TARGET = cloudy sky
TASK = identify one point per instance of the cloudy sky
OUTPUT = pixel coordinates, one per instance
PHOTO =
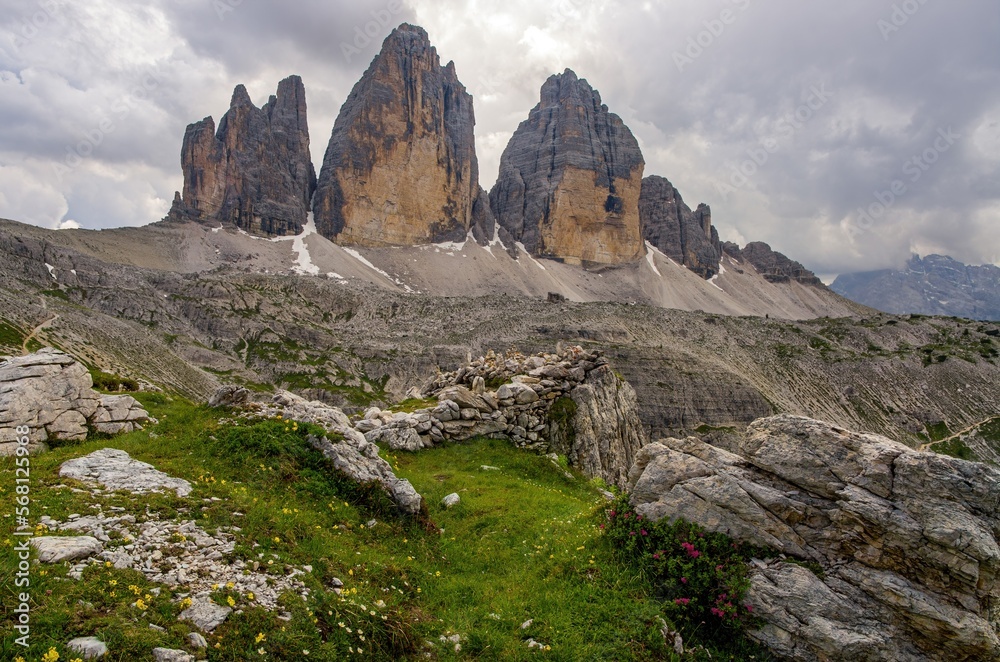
(847, 134)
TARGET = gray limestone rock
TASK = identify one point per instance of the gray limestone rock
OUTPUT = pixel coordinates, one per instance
(606, 431)
(205, 615)
(230, 396)
(116, 470)
(685, 236)
(906, 539)
(89, 648)
(171, 655)
(451, 500)
(359, 460)
(56, 549)
(118, 414)
(397, 437)
(197, 640)
(49, 392)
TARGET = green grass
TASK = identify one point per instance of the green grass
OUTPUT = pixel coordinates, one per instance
(524, 544)
(10, 336)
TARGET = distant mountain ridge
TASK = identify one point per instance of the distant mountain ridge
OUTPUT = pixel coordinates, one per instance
(933, 285)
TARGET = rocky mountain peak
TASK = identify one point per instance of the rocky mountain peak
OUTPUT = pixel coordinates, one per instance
(570, 179)
(933, 285)
(401, 166)
(685, 236)
(255, 172)
(772, 265)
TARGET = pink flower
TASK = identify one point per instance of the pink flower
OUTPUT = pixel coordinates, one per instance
(643, 532)
(749, 608)
(717, 612)
(684, 580)
(612, 513)
(602, 527)
(656, 556)
(631, 533)
(718, 568)
(682, 601)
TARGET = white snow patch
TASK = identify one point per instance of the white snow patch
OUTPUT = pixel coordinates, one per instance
(650, 250)
(333, 275)
(361, 258)
(303, 261)
(216, 230)
(52, 271)
(73, 271)
(524, 250)
(495, 241)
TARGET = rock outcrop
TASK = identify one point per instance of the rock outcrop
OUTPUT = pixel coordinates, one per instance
(401, 166)
(354, 456)
(687, 237)
(52, 394)
(906, 541)
(115, 470)
(255, 172)
(570, 179)
(934, 285)
(775, 267)
(567, 402)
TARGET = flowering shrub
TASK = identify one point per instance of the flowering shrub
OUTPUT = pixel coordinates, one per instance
(701, 577)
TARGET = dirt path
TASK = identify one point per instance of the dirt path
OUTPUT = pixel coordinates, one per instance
(35, 331)
(928, 446)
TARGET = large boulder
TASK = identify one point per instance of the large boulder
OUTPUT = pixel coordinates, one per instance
(52, 394)
(906, 540)
(570, 179)
(401, 166)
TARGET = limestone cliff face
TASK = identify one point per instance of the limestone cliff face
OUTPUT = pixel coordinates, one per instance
(401, 166)
(774, 266)
(570, 179)
(685, 236)
(255, 171)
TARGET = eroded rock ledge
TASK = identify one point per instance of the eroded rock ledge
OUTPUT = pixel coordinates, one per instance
(907, 540)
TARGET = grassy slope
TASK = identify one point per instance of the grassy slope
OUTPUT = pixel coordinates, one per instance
(522, 544)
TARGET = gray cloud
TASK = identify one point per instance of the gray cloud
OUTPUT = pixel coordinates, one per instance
(701, 111)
